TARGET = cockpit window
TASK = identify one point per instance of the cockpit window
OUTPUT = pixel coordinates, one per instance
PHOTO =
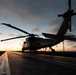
(24, 42)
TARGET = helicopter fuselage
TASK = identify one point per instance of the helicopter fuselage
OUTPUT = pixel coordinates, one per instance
(34, 43)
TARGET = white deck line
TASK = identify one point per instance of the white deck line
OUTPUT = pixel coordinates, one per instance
(4, 67)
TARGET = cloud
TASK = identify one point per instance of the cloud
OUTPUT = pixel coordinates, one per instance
(71, 44)
(28, 9)
(36, 30)
(74, 46)
(11, 35)
(55, 30)
(54, 25)
(2, 33)
(35, 11)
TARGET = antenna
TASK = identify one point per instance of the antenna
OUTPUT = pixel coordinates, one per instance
(63, 46)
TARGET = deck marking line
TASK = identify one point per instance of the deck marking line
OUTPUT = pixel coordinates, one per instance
(4, 67)
(1, 58)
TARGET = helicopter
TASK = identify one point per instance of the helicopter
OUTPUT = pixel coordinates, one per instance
(34, 42)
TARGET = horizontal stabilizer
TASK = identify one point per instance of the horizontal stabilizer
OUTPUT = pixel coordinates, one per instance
(70, 38)
(65, 37)
(51, 35)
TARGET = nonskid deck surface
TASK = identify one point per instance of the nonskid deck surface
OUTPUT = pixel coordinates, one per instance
(57, 53)
(18, 63)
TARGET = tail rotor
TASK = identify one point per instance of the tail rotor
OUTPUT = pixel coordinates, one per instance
(69, 13)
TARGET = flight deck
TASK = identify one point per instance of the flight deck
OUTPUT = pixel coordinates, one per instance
(18, 63)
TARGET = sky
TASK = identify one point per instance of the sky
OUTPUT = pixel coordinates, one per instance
(33, 16)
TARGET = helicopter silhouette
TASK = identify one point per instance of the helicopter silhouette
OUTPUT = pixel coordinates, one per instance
(34, 42)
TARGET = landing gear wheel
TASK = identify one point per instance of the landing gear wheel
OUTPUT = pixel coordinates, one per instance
(35, 51)
(53, 50)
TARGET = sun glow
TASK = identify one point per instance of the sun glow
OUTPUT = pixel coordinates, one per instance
(10, 46)
(17, 46)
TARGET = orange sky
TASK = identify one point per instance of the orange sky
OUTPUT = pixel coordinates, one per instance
(17, 45)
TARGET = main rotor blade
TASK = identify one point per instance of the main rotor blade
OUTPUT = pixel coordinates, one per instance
(13, 38)
(69, 4)
(9, 25)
